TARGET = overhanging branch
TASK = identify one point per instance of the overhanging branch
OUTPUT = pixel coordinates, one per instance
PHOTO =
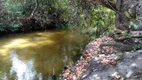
(36, 6)
(105, 3)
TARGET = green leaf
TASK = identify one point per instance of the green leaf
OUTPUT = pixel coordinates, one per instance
(124, 35)
(118, 56)
(127, 14)
(135, 26)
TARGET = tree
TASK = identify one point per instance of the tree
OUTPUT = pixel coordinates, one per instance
(127, 11)
(111, 4)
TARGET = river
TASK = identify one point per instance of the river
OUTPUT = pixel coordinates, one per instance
(39, 55)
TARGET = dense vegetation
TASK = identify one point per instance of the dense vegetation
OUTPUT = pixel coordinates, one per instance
(28, 15)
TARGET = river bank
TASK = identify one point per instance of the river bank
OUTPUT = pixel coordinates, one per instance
(94, 66)
(75, 72)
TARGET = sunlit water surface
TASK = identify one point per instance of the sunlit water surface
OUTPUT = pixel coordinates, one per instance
(38, 55)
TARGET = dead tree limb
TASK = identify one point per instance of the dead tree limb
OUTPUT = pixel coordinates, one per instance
(36, 6)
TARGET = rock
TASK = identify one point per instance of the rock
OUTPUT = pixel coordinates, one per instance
(97, 71)
(115, 66)
(129, 67)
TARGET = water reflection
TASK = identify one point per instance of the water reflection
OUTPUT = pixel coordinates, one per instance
(23, 70)
(38, 55)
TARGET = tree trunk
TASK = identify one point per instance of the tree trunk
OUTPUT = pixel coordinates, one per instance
(126, 11)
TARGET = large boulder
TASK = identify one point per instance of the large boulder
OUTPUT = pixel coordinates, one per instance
(128, 68)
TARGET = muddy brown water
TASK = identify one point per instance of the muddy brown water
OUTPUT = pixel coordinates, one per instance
(38, 55)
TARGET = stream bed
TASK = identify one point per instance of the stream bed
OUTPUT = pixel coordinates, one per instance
(39, 55)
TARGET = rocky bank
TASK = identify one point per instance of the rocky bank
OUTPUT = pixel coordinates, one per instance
(115, 66)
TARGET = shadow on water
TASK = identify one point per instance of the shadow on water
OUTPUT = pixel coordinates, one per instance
(39, 55)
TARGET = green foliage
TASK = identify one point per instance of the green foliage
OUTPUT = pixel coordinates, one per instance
(127, 14)
(94, 20)
(118, 56)
(125, 34)
(137, 47)
(9, 23)
(133, 25)
(101, 21)
(14, 9)
(8, 18)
